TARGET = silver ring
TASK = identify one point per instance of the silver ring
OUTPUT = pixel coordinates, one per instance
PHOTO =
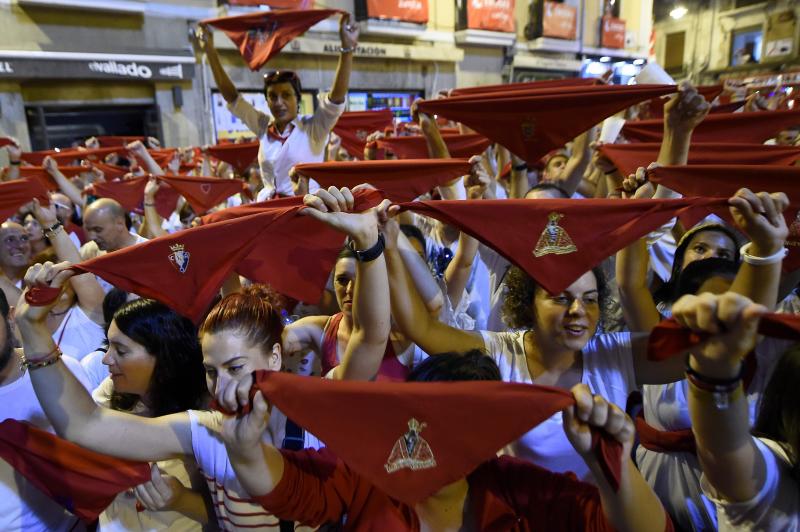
(349, 27)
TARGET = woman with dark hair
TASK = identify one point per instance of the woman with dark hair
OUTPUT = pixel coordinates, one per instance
(752, 479)
(706, 261)
(241, 334)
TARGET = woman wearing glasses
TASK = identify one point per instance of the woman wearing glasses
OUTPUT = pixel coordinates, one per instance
(286, 138)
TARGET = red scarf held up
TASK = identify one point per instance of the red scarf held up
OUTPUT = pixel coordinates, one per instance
(400, 180)
(68, 156)
(752, 127)
(130, 193)
(261, 35)
(410, 439)
(725, 180)
(628, 157)
(525, 85)
(354, 128)
(15, 194)
(203, 193)
(550, 239)
(5, 141)
(112, 140)
(39, 173)
(416, 147)
(82, 481)
(240, 156)
(533, 122)
(111, 171)
(709, 92)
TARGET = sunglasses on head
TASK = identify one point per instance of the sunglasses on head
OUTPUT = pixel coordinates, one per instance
(280, 76)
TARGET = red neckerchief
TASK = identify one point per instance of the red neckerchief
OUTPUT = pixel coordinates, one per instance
(273, 133)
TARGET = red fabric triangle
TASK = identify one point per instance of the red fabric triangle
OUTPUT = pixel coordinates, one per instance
(111, 140)
(37, 172)
(556, 241)
(354, 127)
(709, 92)
(301, 251)
(531, 123)
(82, 481)
(669, 338)
(261, 35)
(526, 85)
(753, 127)
(240, 156)
(65, 157)
(111, 171)
(399, 180)
(415, 147)
(15, 194)
(128, 193)
(725, 180)
(460, 425)
(183, 270)
(5, 141)
(628, 157)
(203, 193)
(727, 107)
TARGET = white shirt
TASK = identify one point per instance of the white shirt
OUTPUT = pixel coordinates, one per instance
(775, 508)
(306, 139)
(607, 370)
(95, 370)
(77, 335)
(22, 506)
(90, 250)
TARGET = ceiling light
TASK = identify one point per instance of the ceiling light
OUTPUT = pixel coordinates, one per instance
(678, 12)
(605, 59)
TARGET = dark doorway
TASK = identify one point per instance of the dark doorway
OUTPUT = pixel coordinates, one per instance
(57, 126)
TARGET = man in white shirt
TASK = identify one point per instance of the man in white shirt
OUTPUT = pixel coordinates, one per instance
(23, 506)
(286, 138)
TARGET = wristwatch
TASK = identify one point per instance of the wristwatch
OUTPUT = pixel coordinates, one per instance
(370, 254)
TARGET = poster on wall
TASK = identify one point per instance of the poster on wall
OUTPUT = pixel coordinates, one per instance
(559, 21)
(403, 10)
(612, 32)
(491, 15)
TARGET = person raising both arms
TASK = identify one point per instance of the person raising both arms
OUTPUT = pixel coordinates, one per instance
(286, 138)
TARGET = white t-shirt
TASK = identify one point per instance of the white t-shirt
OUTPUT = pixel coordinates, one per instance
(90, 250)
(234, 507)
(776, 507)
(77, 335)
(95, 370)
(22, 506)
(498, 267)
(607, 370)
(306, 138)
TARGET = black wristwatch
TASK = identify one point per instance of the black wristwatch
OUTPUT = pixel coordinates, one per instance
(369, 254)
(521, 167)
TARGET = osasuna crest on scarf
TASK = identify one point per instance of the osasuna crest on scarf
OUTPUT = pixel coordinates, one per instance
(261, 35)
(362, 134)
(411, 451)
(554, 238)
(528, 128)
(179, 257)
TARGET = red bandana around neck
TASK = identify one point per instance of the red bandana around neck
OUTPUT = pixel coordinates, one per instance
(82, 481)
(354, 127)
(240, 156)
(400, 180)
(203, 193)
(531, 123)
(415, 147)
(261, 35)
(15, 194)
(669, 338)
(754, 127)
(557, 240)
(39, 173)
(725, 180)
(525, 85)
(410, 439)
(628, 157)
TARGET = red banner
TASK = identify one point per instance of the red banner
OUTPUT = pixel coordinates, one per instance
(405, 10)
(559, 20)
(612, 32)
(492, 15)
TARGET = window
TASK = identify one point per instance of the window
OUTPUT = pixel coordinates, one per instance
(745, 3)
(746, 46)
(673, 58)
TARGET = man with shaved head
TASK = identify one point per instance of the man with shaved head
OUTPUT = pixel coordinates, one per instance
(15, 257)
(107, 230)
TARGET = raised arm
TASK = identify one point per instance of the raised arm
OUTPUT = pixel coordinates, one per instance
(14, 161)
(634, 506)
(88, 291)
(226, 87)
(348, 32)
(577, 163)
(67, 404)
(141, 153)
(152, 219)
(66, 186)
(727, 452)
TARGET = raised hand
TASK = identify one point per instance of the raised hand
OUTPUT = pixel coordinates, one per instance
(150, 189)
(594, 411)
(242, 432)
(637, 186)
(42, 275)
(348, 31)
(760, 217)
(686, 109)
(161, 492)
(46, 216)
(332, 207)
(50, 165)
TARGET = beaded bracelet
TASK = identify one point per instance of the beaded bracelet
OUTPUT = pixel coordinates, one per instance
(48, 360)
(723, 391)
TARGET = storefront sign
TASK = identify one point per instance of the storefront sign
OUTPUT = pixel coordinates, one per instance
(404, 10)
(440, 52)
(491, 15)
(559, 21)
(107, 67)
(612, 32)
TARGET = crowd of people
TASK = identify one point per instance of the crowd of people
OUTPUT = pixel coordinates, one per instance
(438, 382)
